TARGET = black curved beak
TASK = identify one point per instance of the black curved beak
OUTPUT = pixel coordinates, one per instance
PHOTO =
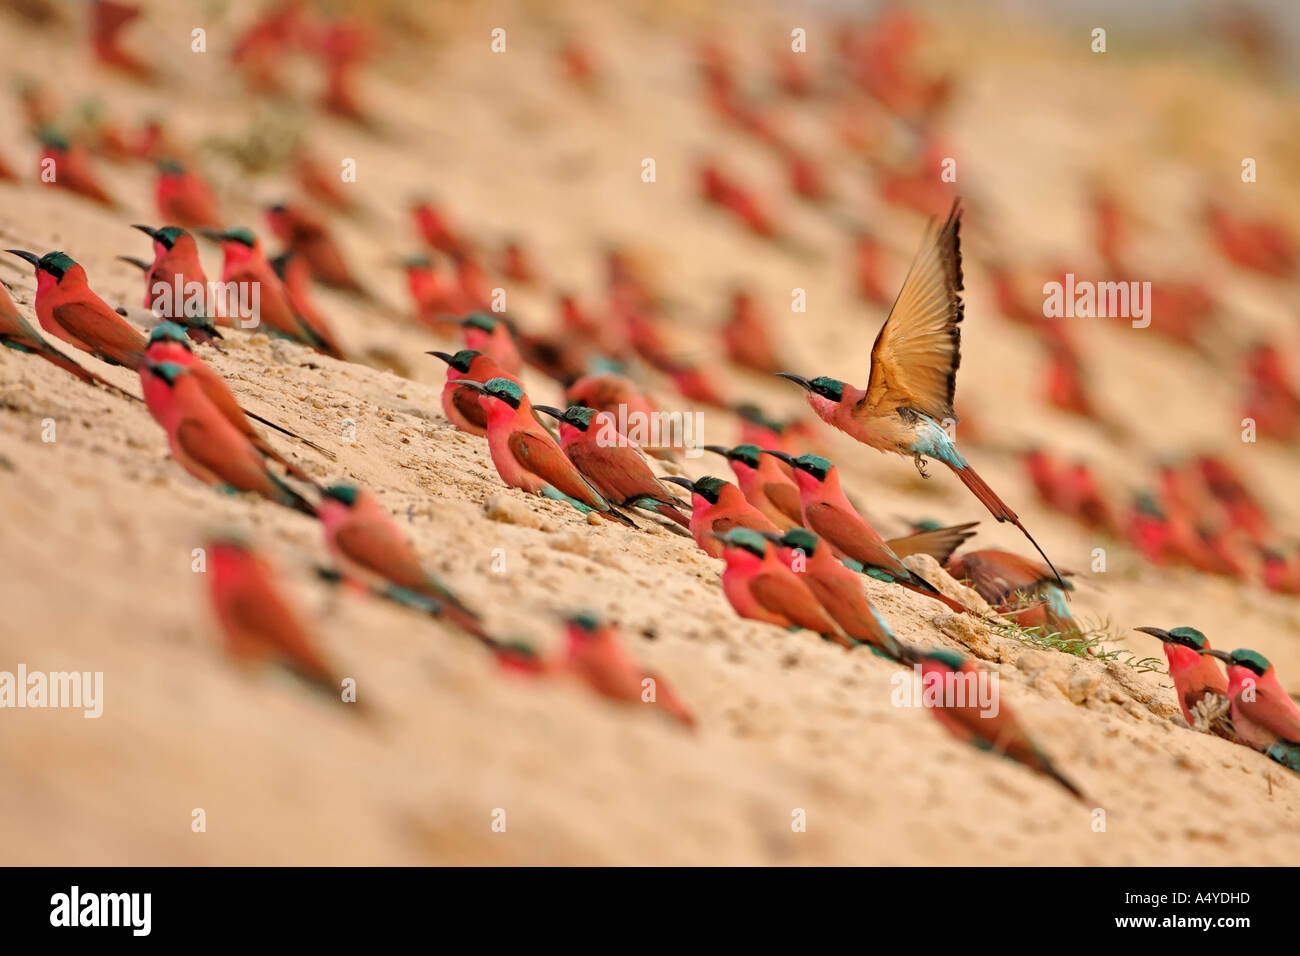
(784, 456)
(1221, 655)
(771, 536)
(797, 379)
(216, 235)
(470, 383)
(31, 257)
(149, 231)
(718, 450)
(1154, 632)
(442, 355)
(683, 482)
(553, 412)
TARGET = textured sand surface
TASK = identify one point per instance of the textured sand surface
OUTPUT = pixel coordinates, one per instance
(98, 526)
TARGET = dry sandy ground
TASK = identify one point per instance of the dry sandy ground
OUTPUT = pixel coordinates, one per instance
(98, 526)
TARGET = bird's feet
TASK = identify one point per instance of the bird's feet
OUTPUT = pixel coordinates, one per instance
(920, 465)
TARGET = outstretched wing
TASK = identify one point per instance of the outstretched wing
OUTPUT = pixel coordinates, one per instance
(915, 357)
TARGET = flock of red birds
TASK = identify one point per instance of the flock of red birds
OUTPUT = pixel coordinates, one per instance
(612, 353)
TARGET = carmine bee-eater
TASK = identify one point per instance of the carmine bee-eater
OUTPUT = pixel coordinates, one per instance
(108, 18)
(1017, 587)
(1263, 714)
(309, 237)
(370, 548)
(828, 513)
(838, 589)
(206, 445)
(293, 272)
(595, 654)
(613, 465)
(435, 228)
(262, 48)
(438, 303)
(1244, 510)
(765, 483)
(17, 333)
(527, 457)
(745, 336)
(717, 506)
(67, 308)
(492, 336)
(1199, 683)
(615, 393)
(183, 197)
(246, 265)
(962, 715)
(761, 587)
(461, 405)
(1260, 244)
(516, 263)
(71, 168)
(868, 266)
(175, 273)
(1272, 401)
(168, 343)
(257, 621)
(909, 396)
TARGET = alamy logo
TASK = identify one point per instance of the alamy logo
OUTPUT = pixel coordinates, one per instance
(57, 689)
(103, 909)
(214, 300)
(1101, 300)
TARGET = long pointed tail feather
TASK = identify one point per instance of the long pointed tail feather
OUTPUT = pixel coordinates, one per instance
(284, 431)
(989, 499)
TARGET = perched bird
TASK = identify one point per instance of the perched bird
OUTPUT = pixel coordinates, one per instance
(204, 443)
(1261, 244)
(292, 271)
(17, 333)
(1017, 587)
(310, 238)
(615, 393)
(108, 18)
(962, 715)
(173, 278)
(1263, 714)
(71, 168)
(760, 587)
(718, 506)
(368, 546)
(745, 336)
(611, 463)
(438, 303)
(828, 513)
(246, 265)
(837, 589)
(527, 457)
(436, 228)
(492, 336)
(461, 405)
(69, 309)
(765, 481)
(595, 654)
(184, 197)
(1199, 682)
(168, 343)
(257, 621)
(909, 396)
